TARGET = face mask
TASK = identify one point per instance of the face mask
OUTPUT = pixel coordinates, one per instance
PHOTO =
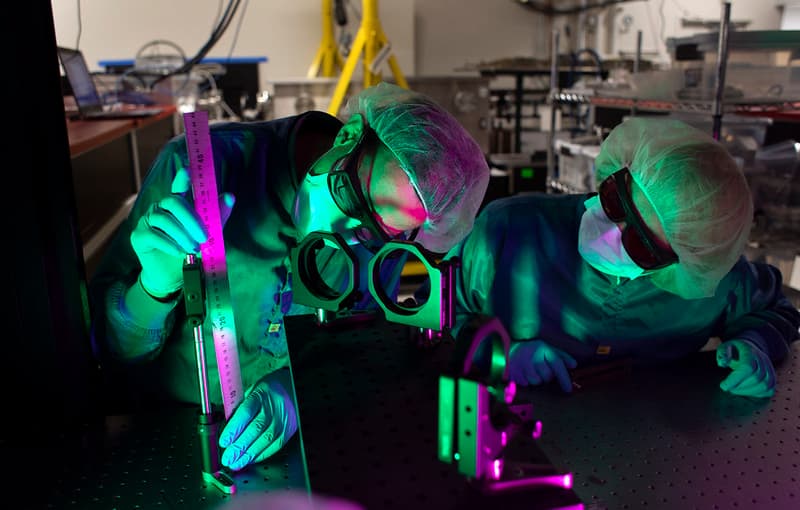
(315, 210)
(600, 243)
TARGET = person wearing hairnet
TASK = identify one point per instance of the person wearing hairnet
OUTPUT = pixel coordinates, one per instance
(410, 170)
(649, 268)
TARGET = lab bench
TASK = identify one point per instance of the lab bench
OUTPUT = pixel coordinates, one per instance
(109, 161)
(661, 437)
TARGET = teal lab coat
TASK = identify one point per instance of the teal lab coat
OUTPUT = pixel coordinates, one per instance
(521, 264)
(252, 161)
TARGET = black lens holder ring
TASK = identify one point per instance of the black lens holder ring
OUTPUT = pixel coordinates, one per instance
(308, 286)
(437, 313)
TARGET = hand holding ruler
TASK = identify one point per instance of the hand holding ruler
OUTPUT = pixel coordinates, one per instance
(218, 298)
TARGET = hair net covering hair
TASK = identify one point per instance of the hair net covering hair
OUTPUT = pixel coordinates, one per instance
(698, 192)
(444, 163)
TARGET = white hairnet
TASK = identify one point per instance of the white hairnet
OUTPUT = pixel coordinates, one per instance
(698, 192)
(444, 163)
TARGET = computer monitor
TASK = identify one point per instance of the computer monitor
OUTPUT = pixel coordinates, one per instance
(80, 79)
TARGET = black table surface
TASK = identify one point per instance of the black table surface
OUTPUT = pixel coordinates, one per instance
(141, 461)
(660, 436)
(656, 437)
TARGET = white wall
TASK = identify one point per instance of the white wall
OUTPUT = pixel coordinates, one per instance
(453, 33)
(790, 20)
(429, 37)
(287, 32)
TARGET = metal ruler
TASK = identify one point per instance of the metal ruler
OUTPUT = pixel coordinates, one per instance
(218, 297)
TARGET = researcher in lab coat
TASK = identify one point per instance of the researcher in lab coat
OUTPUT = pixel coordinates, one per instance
(399, 167)
(650, 267)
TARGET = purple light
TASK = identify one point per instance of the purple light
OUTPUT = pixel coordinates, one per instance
(497, 468)
(537, 430)
(503, 438)
(510, 392)
(562, 481)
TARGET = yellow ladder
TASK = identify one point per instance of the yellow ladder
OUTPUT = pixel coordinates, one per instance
(328, 59)
(372, 42)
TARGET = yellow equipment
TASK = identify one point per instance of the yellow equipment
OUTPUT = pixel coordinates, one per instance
(372, 42)
(328, 58)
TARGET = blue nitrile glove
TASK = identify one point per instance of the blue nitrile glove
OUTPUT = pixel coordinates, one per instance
(535, 362)
(260, 426)
(166, 233)
(753, 374)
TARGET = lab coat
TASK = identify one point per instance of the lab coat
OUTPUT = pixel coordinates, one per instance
(252, 161)
(521, 264)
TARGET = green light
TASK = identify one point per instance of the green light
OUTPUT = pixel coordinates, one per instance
(526, 318)
(446, 416)
(526, 173)
(573, 319)
(457, 456)
(445, 446)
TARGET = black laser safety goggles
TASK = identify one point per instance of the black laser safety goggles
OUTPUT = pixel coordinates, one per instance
(345, 188)
(644, 248)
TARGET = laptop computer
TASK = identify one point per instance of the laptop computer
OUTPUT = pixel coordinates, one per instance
(87, 98)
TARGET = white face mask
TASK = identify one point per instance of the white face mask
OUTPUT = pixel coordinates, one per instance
(600, 243)
(315, 210)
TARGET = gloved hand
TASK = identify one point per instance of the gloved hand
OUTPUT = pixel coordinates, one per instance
(166, 233)
(264, 421)
(753, 374)
(535, 362)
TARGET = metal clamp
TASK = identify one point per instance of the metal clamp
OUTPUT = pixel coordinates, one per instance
(309, 287)
(208, 421)
(477, 419)
(436, 316)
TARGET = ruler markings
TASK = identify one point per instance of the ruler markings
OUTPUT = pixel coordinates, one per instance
(220, 311)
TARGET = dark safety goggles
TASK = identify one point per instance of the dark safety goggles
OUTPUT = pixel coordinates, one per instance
(345, 188)
(639, 241)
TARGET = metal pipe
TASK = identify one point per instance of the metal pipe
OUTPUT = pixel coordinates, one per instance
(553, 92)
(722, 59)
(554, 62)
(638, 57)
(518, 96)
(202, 370)
(195, 310)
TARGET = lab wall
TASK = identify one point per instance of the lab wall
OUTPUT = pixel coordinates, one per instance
(287, 32)
(428, 37)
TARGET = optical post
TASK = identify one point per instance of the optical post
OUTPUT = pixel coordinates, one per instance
(208, 421)
(477, 417)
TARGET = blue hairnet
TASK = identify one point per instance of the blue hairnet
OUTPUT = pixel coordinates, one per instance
(698, 192)
(444, 163)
